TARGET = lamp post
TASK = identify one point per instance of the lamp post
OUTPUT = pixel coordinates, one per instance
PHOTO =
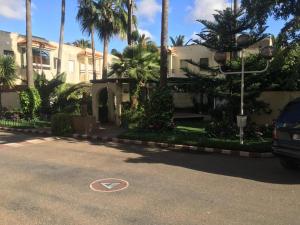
(220, 57)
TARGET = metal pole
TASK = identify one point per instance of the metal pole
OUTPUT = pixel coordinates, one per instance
(242, 98)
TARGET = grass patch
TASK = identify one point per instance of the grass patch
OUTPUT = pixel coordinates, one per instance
(24, 124)
(193, 133)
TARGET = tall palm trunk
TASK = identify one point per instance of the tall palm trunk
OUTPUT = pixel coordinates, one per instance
(93, 53)
(61, 36)
(29, 68)
(164, 44)
(235, 11)
(130, 16)
(105, 57)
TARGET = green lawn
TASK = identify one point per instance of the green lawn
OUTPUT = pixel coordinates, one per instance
(193, 133)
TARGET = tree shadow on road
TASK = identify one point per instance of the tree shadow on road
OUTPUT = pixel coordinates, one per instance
(263, 170)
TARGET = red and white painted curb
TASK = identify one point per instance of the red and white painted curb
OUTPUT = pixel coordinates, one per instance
(186, 148)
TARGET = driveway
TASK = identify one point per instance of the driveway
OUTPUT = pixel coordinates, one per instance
(46, 181)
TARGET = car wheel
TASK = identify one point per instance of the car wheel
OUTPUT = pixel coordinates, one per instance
(288, 163)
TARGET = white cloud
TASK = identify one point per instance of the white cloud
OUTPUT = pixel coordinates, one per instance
(13, 9)
(146, 33)
(194, 36)
(204, 9)
(148, 9)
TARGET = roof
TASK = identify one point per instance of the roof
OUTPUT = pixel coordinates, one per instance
(38, 44)
(89, 54)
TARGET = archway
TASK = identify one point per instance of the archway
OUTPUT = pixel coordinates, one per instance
(103, 105)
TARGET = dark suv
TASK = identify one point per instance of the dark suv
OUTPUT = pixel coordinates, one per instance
(286, 144)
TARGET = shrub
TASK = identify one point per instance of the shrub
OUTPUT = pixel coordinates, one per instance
(132, 117)
(159, 111)
(61, 124)
(30, 102)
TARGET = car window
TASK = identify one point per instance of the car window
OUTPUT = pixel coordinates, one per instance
(291, 114)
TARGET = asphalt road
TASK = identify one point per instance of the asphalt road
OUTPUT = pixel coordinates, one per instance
(46, 181)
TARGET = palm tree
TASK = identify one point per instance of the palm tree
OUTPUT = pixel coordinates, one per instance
(87, 18)
(130, 6)
(164, 44)
(7, 73)
(178, 41)
(82, 43)
(29, 68)
(139, 63)
(61, 36)
(111, 20)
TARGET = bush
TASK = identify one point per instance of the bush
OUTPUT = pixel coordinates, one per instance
(132, 117)
(30, 102)
(225, 129)
(61, 124)
(159, 111)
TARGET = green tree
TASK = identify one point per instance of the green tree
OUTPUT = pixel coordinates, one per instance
(61, 35)
(47, 90)
(217, 36)
(111, 21)
(164, 44)
(285, 69)
(29, 66)
(178, 41)
(140, 63)
(82, 43)
(287, 10)
(7, 73)
(87, 18)
(57, 96)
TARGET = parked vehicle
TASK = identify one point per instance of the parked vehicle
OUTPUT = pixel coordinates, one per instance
(286, 135)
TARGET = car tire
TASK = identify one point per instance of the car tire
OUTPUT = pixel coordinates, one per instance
(288, 163)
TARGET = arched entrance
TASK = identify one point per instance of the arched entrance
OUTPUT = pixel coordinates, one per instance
(103, 105)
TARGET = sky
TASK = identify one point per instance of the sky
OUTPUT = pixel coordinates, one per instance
(46, 19)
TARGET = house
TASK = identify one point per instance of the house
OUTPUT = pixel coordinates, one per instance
(184, 100)
(76, 62)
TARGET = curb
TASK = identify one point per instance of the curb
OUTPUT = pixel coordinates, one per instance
(174, 147)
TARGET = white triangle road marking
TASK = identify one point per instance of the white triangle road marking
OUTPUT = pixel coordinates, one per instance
(110, 185)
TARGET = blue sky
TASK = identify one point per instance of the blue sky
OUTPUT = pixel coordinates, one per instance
(46, 18)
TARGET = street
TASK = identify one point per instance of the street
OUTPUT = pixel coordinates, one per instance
(47, 181)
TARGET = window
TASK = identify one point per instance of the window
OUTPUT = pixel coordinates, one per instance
(40, 58)
(204, 63)
(71, 66)
(8, 53)
(291, 114)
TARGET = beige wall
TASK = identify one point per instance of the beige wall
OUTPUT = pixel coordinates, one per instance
(277, 100)
(194, 52)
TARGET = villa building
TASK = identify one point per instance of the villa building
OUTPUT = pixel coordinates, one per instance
(76, 62)
(178, 57)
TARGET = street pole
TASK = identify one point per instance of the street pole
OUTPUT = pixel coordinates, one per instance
(242, 97)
